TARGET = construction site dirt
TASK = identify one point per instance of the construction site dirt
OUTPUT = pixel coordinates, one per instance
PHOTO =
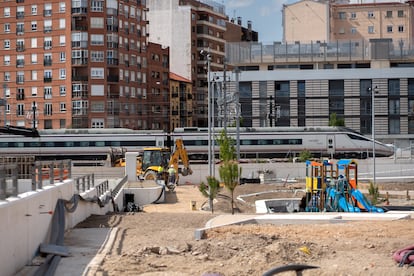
(160, 239)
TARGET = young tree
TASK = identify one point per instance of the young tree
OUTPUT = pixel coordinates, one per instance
(229, 169)
(210, 190)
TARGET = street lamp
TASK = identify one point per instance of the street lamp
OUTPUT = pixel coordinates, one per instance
(207, 55)
(373, 92)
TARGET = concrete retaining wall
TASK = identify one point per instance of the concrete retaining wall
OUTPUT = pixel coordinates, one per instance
(26, 222)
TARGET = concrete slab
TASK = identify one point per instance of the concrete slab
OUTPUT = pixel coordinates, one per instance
(88, 247)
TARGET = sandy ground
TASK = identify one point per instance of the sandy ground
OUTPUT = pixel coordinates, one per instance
(160, 240)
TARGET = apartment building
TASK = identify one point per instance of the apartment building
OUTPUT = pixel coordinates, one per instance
(78, 63)
(181, 111)
(325, 21)
(109, 64)
(156, 106)
(36, 69)
(187, 27)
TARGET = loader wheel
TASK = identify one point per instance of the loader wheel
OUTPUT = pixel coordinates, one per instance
(150, 175)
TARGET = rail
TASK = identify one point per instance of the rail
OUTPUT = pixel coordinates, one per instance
(47, 172)
(118, 187)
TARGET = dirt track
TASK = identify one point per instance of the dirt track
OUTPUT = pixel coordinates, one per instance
(160, 241)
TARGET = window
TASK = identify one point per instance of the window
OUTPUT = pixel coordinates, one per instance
(34, 25)
(353, 30)
(20, 61)
(6, 60)
(47, 59)
(47, 26)
(47, 43)
(97, 56)
(342, 15)
(62, 107)
(400, 13)
(34, 91)
(20, 110)
(389, 14)
(34, 74)
(48, 109)
(47, 10)
(34, 58)
(370, 29)
(62, 73)
(33, 42)
(20, 77)
(34, 9)
(371, 14)
(47, 76)
(62, 23)
(47, 92)
(97, 6)
(62, 56)
(62, 40)
(62, 7)
(20, 12)
(97, 39)
(341, 30)
(401, 29)
(389, 29)
(394, 107)
(6, 76)
(7, 27)
(20, 94)
(6, 12)
(6, 44)
(394, 87)
(97, 73)
(97, 22)
(62, 90)
(394, 126)
(20, 28)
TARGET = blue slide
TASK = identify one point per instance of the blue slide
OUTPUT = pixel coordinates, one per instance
(359, 197)
(346, 206)
(341, 203)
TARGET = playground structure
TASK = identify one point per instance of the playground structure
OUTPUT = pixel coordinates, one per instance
(334, 188)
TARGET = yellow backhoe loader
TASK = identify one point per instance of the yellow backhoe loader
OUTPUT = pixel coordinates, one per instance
(156, 162)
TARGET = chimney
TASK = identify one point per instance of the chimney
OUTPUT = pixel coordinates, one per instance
(249, 25)
(239, 20)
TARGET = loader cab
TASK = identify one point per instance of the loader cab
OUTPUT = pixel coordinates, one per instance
(155, 157)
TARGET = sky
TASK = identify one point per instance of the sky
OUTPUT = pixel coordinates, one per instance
(266, 16)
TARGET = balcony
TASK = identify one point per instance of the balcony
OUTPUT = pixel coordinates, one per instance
(19, 15)
(112, 61)
(79, 78)
(47, 29)
(79, 61)
(113, 78)
(19, 63)
(47, 13)
(20, 48)
(47, 62)
(47, 79)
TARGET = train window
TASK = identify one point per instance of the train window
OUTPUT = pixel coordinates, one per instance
(100, 144)
(48, 144)
(17, 145)
(247, 142)
(69, 144)
(34, 144)
(295, 141)
(356, 137)
(4, 145)
(84, 144)
(113, 143)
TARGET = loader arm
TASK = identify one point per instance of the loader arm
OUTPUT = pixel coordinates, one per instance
(180, 153)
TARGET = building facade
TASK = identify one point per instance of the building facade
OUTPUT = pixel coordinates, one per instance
(325, 21)
(77, 64)
(304, 88)
(181, 105)
(188, 27)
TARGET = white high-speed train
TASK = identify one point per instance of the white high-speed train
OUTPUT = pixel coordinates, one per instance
(272, 142)
(275, 142)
